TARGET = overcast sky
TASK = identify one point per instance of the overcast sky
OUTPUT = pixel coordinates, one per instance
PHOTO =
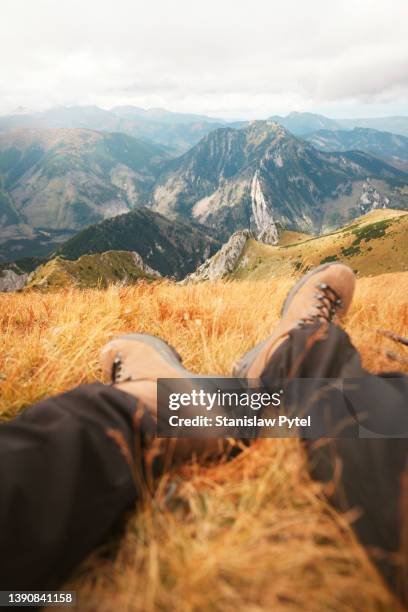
(226, 58)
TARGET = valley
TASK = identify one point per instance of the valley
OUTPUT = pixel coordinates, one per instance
(373, 244)
(72, 191)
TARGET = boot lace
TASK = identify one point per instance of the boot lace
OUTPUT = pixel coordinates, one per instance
(117, 373)
(116, 369)
(326, 307)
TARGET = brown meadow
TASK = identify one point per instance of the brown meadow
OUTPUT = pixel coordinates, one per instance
(250, 534)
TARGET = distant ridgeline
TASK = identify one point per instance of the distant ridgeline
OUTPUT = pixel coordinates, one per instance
(376, 243)
(71, 191)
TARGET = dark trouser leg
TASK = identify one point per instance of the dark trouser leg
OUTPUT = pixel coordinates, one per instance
(371, 469)
(65, 479)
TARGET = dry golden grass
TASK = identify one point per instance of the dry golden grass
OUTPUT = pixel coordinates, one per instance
(253, 534)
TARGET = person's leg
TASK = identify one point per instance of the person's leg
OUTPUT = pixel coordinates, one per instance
(135, 362)
(368, 473)
(71, 465)
(67, 472)
(371, 470)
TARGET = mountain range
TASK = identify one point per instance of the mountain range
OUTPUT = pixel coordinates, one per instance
(179, 131)
(176, 131)
(54, 182)
(261, 175)
(373, 244)
(382, 144)
(302, 124)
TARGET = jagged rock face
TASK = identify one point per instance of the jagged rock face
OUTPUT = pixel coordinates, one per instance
(262, 175)
(222, 263)
(11, 281)
(266, 227)
(371, 198)
(269, 235)
(144, 267)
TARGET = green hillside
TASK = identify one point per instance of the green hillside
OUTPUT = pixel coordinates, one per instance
(99, 270)
(373, 244)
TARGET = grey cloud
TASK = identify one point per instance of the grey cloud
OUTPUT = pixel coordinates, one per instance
(236, 58)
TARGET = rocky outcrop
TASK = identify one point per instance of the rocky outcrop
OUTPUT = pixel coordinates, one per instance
(144, 267)
(222, 263)
(269, 234)
(11, 280)
(371, 198)
(265, 224)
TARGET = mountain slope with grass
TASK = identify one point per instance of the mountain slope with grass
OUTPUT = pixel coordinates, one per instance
(100, 270)
(373, 244)
(65, 179)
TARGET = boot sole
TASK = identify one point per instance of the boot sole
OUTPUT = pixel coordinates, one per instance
(242, 367)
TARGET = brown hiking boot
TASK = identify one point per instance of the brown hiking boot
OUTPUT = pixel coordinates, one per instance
(324, 294)
(134, 362)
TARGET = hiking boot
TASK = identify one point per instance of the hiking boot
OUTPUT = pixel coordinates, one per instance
(134, 362)
(322, 295)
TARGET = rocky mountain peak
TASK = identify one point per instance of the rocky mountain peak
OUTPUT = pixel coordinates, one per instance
(261, 175)
(223, 262)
